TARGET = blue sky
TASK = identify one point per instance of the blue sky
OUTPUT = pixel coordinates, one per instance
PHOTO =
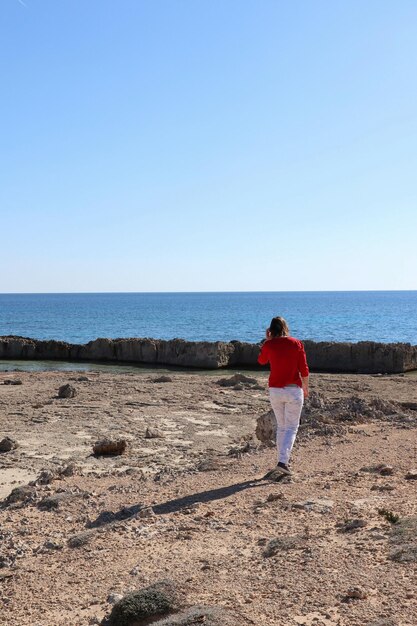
(210, 145)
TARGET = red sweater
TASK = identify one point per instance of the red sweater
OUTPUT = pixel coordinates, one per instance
(287, 360)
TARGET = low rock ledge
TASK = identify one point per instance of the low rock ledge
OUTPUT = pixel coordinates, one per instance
(366, 357)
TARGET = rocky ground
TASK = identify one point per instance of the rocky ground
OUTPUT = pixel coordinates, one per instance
(336, 545)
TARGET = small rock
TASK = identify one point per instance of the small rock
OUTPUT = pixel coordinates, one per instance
(319, 505)
(379, 468)
(411, 475)
(153, 433)
(68, 470)
(411, 406)
(351, 525)
(315, 401)
(191, 508)
(382, 488)
(238, 380)
(282, 544)
(66, 391)
(7, 444)
(146, 512)
(356, 593)
(45, 477)
(266, 428)
(109, 447)
(163, 379)
(50, 544)
(82, 539)
(50, 503)
(274, 496)
(386, 470)
(114, 597)
(23, 494)
(12, 381)
(209, 465)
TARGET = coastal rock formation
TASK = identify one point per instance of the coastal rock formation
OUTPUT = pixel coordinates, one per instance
(363, 357)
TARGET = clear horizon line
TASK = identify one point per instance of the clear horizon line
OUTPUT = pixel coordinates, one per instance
(47, 293)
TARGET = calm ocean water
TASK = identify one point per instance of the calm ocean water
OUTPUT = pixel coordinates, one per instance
(387, 316)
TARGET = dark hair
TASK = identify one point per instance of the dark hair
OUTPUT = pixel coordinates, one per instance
(279, 327)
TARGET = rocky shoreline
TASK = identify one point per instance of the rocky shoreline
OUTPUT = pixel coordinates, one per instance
(365, 357)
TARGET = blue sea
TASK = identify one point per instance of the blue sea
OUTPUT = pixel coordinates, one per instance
(386, 316)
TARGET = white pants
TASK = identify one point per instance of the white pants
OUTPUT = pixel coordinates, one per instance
(286, 403)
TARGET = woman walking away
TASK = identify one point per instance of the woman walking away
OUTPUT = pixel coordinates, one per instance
(288, 386)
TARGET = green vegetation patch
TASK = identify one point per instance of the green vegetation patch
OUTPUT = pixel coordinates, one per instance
(138, 607)
(404, 540)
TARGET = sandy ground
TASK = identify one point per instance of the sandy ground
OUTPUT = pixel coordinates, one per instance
(212, 516)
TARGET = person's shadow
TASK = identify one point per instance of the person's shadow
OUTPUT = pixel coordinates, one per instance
(171, 506)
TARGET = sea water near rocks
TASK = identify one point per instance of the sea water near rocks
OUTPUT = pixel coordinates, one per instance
(386, 316)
